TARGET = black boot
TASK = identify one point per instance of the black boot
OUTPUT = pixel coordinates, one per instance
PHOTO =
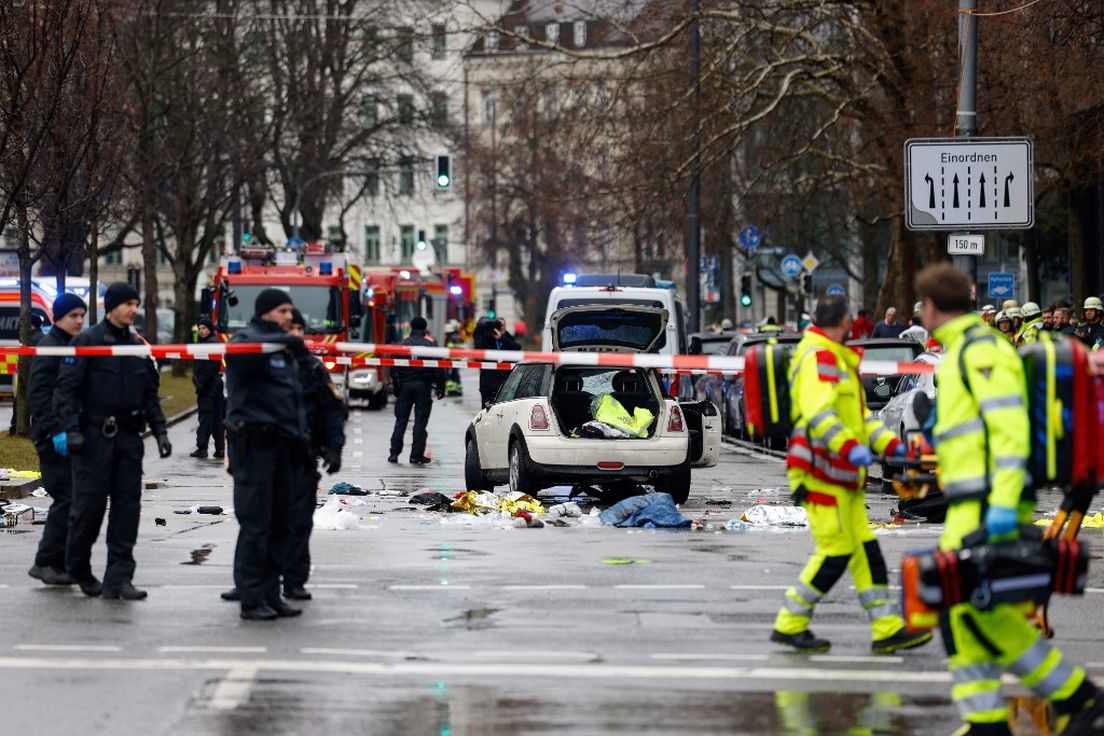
(90, 586)
(50, 575)
(297, 593)
(283, 610)
(802, 641)
(125, 592)
(259, 613)
(200, 454)
(903, 639)
(231, 595)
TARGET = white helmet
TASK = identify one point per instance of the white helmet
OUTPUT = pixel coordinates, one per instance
(1002, 316)
(988, 309)
(1014, 313)
(1030, 310)
(1093, 302)
(1010, 304)
(726, 324)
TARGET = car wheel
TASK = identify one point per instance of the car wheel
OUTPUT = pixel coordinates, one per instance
(378, 400)
(677, 484)
(474, 478)
(522, 479)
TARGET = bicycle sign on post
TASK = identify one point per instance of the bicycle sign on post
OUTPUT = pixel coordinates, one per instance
(792, 266)
(749, 237)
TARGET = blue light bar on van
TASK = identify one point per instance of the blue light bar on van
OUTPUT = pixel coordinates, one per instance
(325, 268)
(233, 267)
(665, 284)
(569, 279)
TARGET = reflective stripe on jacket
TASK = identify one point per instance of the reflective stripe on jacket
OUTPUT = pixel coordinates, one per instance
(830, 417)
(982, 435)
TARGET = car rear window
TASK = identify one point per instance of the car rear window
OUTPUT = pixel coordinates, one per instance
(586, 302)
(899, 353)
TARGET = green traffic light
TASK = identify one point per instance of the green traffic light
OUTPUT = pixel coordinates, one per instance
(490, 314)
(246, 237)
(745, 300)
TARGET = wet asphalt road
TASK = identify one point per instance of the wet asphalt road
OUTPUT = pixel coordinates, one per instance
(425, 627)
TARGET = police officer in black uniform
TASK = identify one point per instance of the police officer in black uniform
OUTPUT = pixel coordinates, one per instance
(210, 402)
(491, 334)
(57, 471)
(326, 425)
(412, 388)
(102, 405)
(267, 424)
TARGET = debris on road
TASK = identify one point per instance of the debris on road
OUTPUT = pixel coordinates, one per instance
(209, 510)
(160, 522)
(432, 501)
(347, 489)
(39, 493)
(568, 510)
(775, 516)
(332, 517)
(657, 509)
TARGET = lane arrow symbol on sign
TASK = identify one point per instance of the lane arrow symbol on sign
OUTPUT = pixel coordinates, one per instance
(1007, 179)
(931, 190)
(955, 202)
(982, 190)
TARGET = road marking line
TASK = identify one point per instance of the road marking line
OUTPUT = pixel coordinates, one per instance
(68, 648)
(848, 659)
(534, 653)
(593, 671)
(358, 454)
(718, 657)
(758, 587)
(1095, 665)
(429, 587)
(227, 586)
(545, 587)
(212, 650)
(358, 441)
(694, 586)
(361, 653)
(333, 586)
(233, 690)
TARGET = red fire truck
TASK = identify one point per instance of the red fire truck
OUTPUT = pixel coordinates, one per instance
(325, 288)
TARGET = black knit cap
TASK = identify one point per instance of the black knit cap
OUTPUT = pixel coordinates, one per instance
(297, 318)
(269, 299)
(418, 324)
(205, 322)
(119, 293)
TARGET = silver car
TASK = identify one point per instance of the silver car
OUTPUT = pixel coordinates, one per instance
(898, 414)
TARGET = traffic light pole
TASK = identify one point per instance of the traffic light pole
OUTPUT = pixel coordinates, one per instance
(966, 115)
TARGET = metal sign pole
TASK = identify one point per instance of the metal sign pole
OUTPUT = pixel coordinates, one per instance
(966, 114)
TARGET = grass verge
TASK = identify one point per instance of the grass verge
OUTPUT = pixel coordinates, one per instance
(17, 453)
(177, 392)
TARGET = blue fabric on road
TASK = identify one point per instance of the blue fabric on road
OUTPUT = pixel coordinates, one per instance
(657, 509)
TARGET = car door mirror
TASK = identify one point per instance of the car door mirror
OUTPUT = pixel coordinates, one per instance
(921, 407)
(883, 390)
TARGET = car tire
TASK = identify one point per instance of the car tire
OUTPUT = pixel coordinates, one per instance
(522, 478)
(378, 400)
(474, 477)
(677, 484)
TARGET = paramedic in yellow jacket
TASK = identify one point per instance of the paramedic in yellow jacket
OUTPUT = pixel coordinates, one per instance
(831, 445)
(982, 437)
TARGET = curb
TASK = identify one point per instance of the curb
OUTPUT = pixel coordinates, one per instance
(174, 419)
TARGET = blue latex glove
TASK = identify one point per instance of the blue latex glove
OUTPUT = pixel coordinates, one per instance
(61, 444)
(860, 456)
(901, 450)
(1000, 520)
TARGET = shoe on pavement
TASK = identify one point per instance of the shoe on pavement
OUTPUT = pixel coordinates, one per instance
(802, 641)
(125, 592)
(259, 613)
(219, 455)
(90, 586)
(283, 610)
(423, 460)
(231, 595)
(392, 458)
(1089, 721)
(50, 575)
(201, 454)
(297, 593)
(903, 639)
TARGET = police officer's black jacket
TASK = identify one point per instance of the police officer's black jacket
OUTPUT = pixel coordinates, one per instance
(483, 339)
(404, 374)
(264, 389)
(89, 389)
(205, 373)
(44, 375)
(325, 408)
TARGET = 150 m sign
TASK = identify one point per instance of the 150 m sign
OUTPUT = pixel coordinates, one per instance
(969, 184)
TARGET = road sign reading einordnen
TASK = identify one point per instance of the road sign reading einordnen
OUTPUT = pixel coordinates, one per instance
(969, 184)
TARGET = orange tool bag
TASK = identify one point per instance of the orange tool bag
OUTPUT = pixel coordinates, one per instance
(1065, 412)
(767, 406)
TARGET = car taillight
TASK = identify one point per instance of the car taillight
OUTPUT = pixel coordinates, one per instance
(538, 417)
(674, 420)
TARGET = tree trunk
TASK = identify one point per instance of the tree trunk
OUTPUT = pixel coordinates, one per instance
(1030, 245)
(1076, 247)
(93, 270)
(149, 263)
(183, 288)
(887, 295)
(23, 373)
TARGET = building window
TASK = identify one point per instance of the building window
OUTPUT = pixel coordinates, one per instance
(372, 244)
(552, 32)
(406, 243)
(579, 28)
(369, 111)
(372, 178)
(492, 41)
(405, 105)
(522, 33)
(113, 257)
(404, 47)
(371, 41)
(335, 236)
(489, 103)
(438, 109)
(440, 243)
(439, 41)
(406, 175)
(162, 257)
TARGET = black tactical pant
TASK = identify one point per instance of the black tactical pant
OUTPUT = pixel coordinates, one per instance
(263, 465)
(412, 395)
(105, 468)
(304, 497)
(212, 411)
(57, 479)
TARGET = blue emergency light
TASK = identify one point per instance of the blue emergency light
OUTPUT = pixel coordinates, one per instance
(233, 267)
(325, 268)
(569, 279)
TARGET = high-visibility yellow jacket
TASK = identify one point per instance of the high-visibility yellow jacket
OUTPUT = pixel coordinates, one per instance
(982, 432)
(1029, 332)
(830, 418)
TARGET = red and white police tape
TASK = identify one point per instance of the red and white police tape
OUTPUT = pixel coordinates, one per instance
(437, 357)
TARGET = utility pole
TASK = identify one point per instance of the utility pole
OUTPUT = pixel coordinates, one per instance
(693, 205)
(966, 125)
